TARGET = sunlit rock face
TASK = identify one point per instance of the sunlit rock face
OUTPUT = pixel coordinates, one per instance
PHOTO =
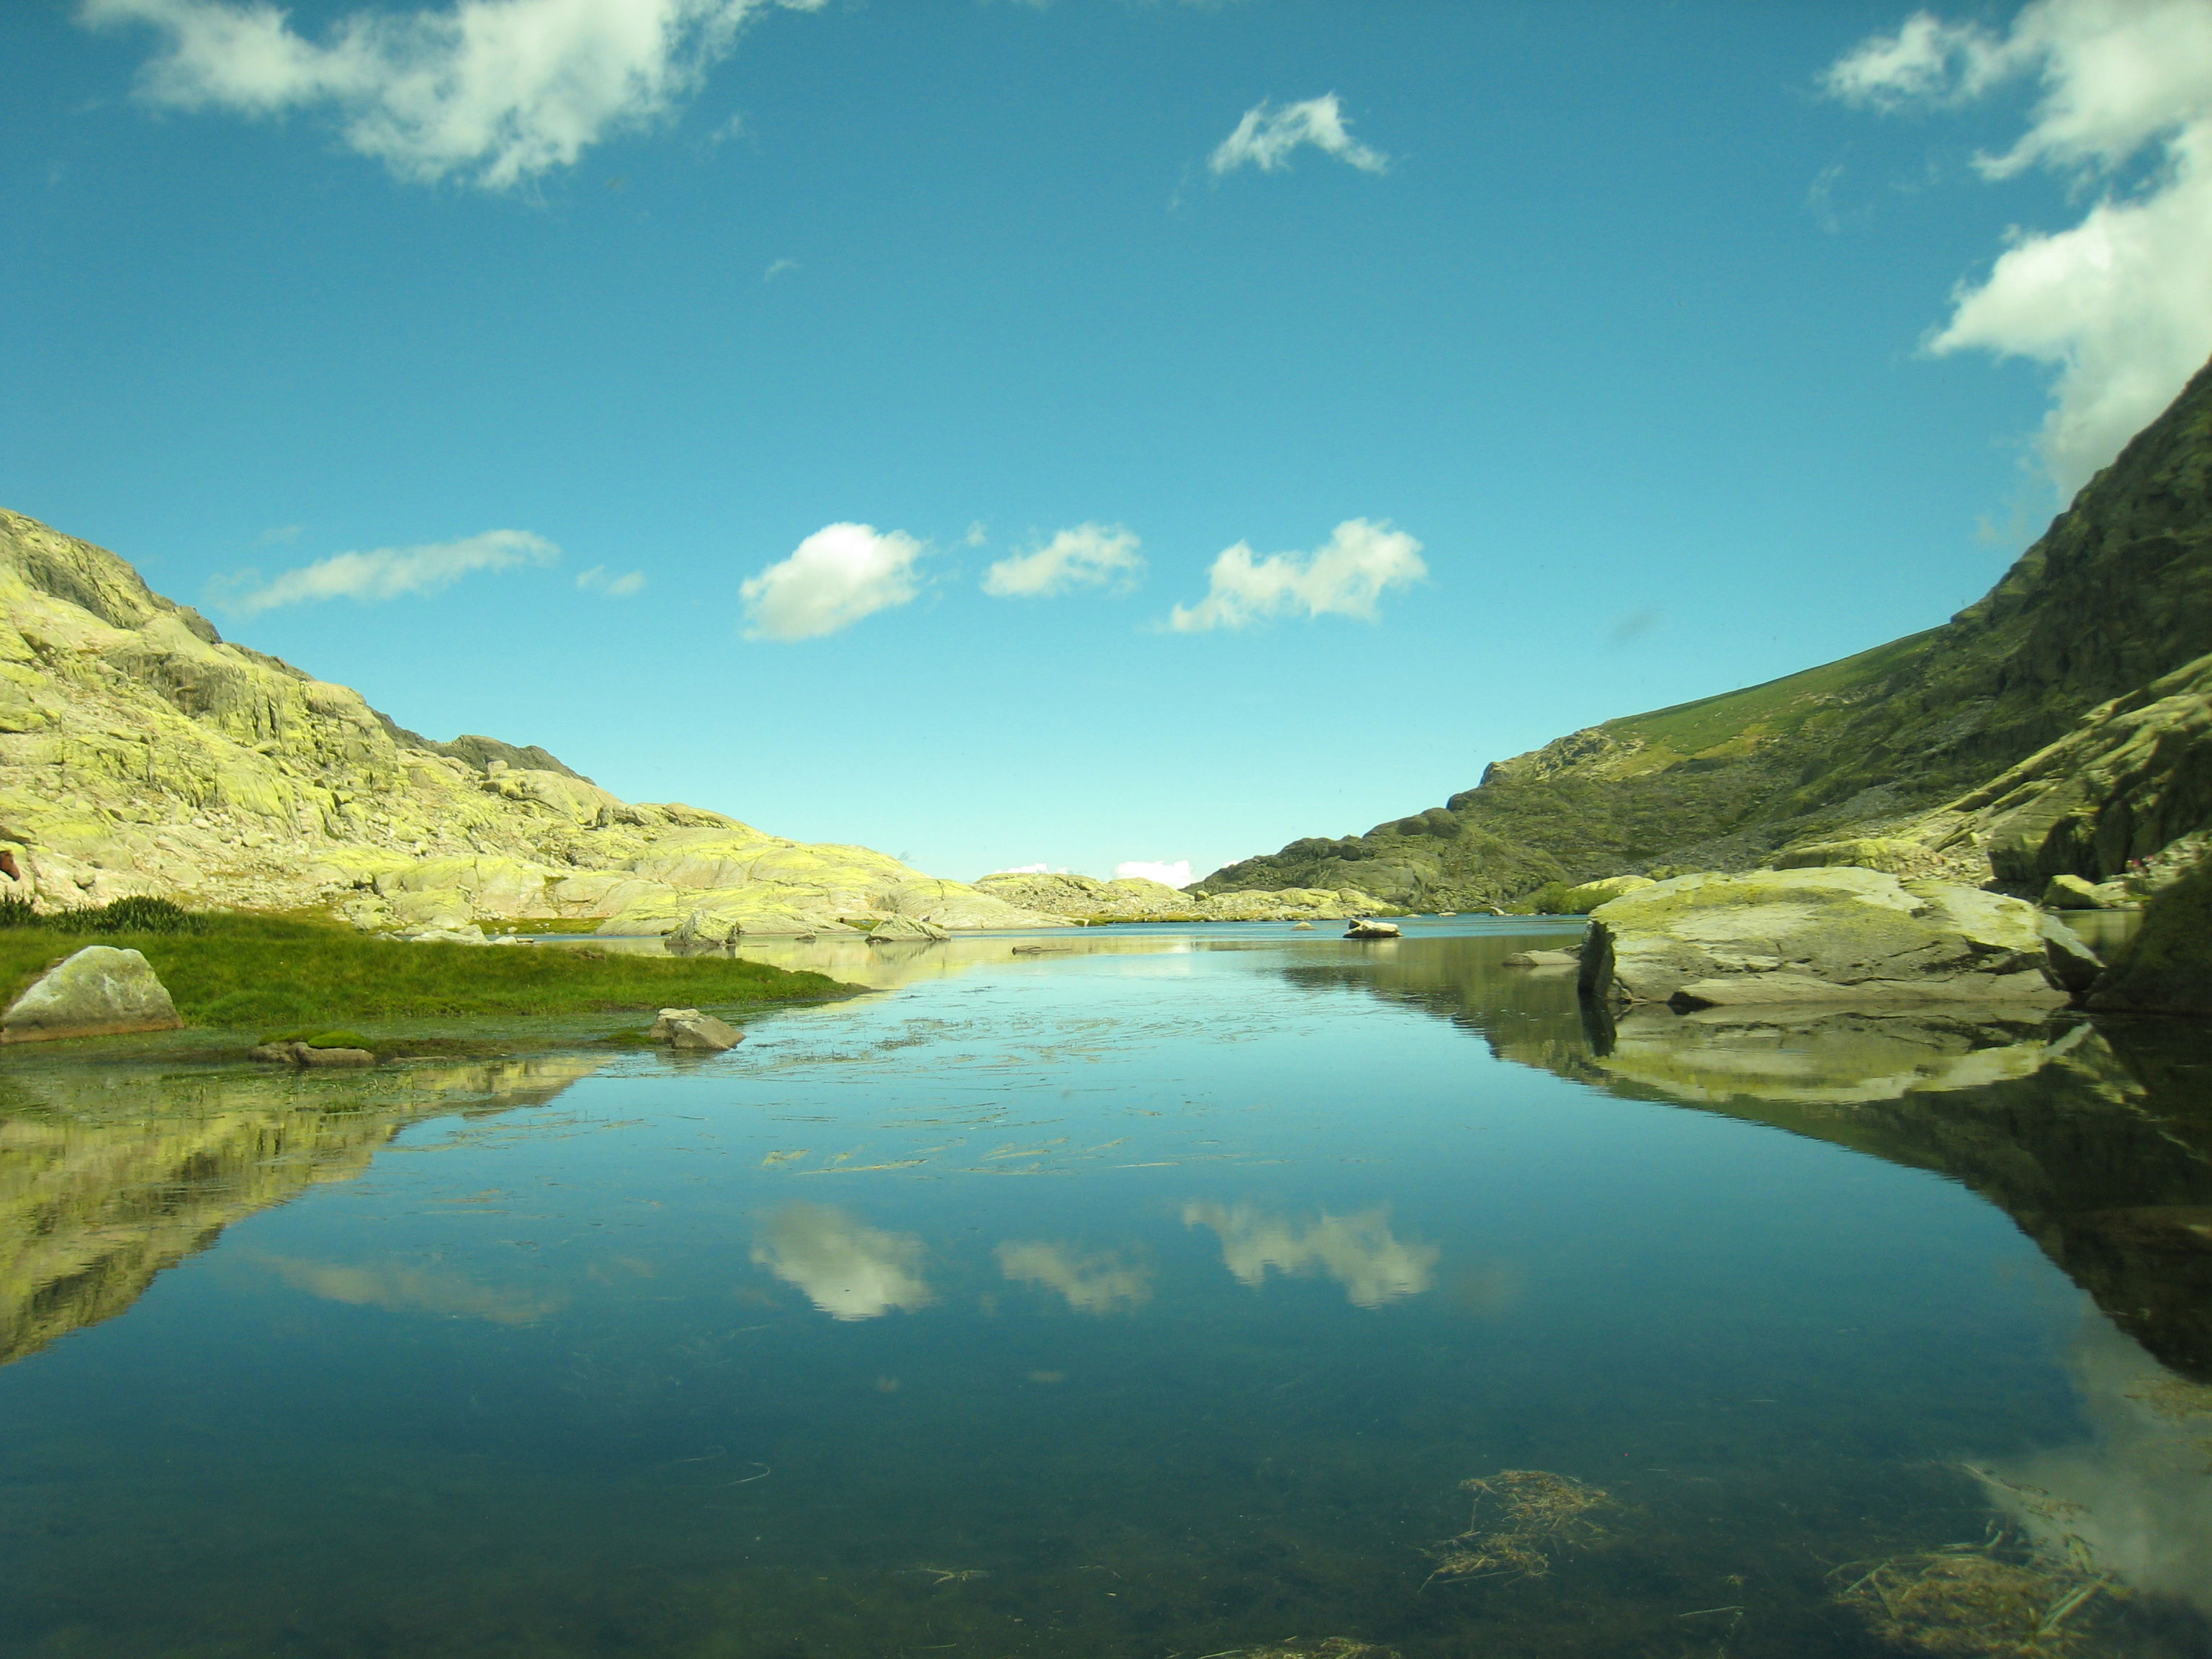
(108, 1175)
(140, 753)
(1134, 898)
(1815, 935)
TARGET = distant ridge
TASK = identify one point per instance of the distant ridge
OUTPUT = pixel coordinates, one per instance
(1907, 742)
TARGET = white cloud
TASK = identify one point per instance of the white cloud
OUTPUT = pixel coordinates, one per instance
(1362, 560)
(779, 268)
(2120, 304)
(596, 580)
(1091, 1284)
(385, 574)
(840, 574)
(1266, 136)
(493, 91)
(1176, 874)
(1087, 556)
(1031, 870)
(1358, 1251)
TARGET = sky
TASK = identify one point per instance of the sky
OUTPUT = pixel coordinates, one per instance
(1100, 434)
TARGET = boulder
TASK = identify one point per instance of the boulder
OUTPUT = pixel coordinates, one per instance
(2166, 968)
(689, 1029)
(1886, 854)
(1365, 929)
(1591, 894)
(892, 929)
(1301, 927)
(2073, 893)
(306, 1054)
(1543, 959)
(1822, 935)
(99, 992)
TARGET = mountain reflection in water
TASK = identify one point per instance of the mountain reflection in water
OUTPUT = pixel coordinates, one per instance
(2094, 1137)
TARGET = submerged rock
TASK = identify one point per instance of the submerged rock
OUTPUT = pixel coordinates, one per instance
(1819, 935)
(1543, 959)
(99, 992)
(689, 1029)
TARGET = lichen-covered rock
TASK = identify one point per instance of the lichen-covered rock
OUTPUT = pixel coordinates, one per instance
(2073, 893)
(1891, 855)
(689, 1030)
(99, 992)
(892, 929)
(2166, 968)
(1589, 894)
(1829, 935)
(1367, 929)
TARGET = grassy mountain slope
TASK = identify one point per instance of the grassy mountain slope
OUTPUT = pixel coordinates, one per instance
(2117, 594)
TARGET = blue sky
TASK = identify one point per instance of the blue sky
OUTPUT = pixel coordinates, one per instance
(849, 416)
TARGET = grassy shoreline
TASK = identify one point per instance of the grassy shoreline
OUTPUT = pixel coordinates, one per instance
(242, 971)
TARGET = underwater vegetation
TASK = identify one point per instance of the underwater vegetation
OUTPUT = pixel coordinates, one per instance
(1537, 1514)
(1998, 1599)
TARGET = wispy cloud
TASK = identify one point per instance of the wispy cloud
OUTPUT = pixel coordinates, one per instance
(779, 268)
(1088, 555)
(597, 580)
(388, 573)
(1363, 559)
(840, 574)
(495, 92)
(1266, 136)
(1174, 874)
(2118, 303)
(1100, 1284)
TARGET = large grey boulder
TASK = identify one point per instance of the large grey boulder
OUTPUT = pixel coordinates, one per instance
(689, 1029)
(99, 992)
(893, 929)
(1834, 934)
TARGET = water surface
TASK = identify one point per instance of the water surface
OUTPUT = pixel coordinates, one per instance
(1151, 1295)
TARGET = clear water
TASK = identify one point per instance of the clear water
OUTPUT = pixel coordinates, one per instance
(1153, 1296)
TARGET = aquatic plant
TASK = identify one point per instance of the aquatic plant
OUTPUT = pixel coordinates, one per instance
(1538, 1514)
(2000, 1599)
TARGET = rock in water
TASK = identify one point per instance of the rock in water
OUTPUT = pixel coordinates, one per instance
(2166, 968)
(1363, 929)
(689, 1029)
(899, 929)
(99, 992)
(1542, 959)
(1817, 935)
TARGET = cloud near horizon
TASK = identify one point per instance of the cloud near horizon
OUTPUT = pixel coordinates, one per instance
(2119, 304)
(387, 572)
(1088, 555)
(1266, 136)
(1362, 560)
(839, 574)
(494, 92)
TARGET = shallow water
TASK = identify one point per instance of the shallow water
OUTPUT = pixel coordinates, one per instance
(1153, 1295)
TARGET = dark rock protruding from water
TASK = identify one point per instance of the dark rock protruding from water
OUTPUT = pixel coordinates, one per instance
(2166, 968)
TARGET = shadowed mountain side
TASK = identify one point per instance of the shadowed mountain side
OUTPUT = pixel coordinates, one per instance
(109, 1176)
(2096, 1140)
(2115, 595)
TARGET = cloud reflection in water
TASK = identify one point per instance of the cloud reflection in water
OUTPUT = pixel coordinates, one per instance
(1357, 1251)
(1091, 1284)
(846, 1269)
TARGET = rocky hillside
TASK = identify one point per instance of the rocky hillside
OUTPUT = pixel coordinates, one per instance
(2051, 728)
(140, 753)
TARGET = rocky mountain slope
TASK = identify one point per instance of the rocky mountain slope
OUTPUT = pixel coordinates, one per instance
(2057, 726)
(140, 753)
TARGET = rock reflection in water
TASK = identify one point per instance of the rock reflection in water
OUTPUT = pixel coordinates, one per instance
(108, 1175)
(846, 1268)
(1819, 1055)
(1359, 1252)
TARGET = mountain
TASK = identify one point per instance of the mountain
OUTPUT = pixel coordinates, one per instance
(142, 753)
(2054, 728)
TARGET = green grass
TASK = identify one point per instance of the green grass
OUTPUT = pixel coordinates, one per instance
(273, 973)
(1775, 706)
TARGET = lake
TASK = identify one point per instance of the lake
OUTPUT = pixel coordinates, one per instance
(1137, 1291)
